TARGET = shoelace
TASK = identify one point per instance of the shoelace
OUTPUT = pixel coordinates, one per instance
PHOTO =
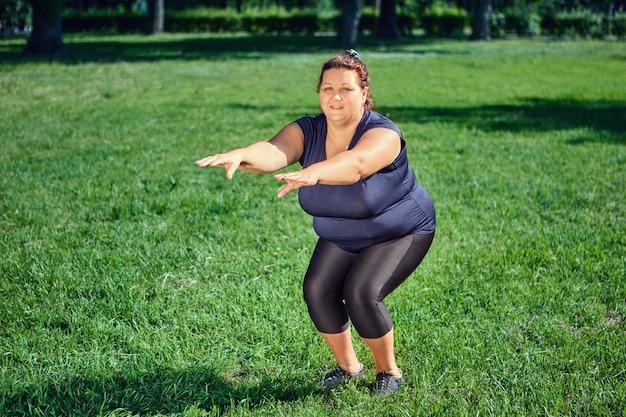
(384, 380)
(334, 374)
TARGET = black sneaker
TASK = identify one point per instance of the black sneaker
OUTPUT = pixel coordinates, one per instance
(386, 384)
(338, 375)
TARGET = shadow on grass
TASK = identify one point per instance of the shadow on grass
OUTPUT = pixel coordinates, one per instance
(135, 48)
(605, 119)
(160, 392)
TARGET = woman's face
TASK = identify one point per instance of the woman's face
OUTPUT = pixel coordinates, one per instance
(341, 96)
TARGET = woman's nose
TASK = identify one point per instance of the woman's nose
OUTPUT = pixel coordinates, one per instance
(337, 96)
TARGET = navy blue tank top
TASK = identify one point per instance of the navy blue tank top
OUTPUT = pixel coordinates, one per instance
(387, 205)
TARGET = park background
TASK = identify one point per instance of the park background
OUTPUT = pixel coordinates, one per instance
(134, 283)
(387, 19)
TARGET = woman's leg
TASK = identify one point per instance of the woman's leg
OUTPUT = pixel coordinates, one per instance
(343, 350)
(375, 274)
(323, 293)
(363, 280)
(383, 353)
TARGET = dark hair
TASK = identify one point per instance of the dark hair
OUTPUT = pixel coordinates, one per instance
(350, 60)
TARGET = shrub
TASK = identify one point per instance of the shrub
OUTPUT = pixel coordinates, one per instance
(616, 25)
(104, 21)
(274, 20)
(304, 21)
(406, 23)
(369, 20)
(497, 24)
(548, 24)
(202, 20)
(522, 23)
(444, 21)
(578, 22)
(328, 22)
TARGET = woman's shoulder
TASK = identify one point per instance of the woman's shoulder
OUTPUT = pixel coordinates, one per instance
(374, 120)
(311, 123)
(373, 117)
(318, 118)
(314, 131)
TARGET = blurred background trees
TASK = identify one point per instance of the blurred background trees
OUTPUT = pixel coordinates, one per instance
(46, 20)
(45, 37)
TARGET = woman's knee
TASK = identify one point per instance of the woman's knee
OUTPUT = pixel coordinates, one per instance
(370, 316)
(319, 295)
(311, 294)
(361, 296)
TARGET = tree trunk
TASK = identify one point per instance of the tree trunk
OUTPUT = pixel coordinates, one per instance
(388, 20)
(348, 32)
(46, 37)
(156, 16)
(481, 16)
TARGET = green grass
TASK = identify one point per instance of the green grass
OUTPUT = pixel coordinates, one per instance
(134, 283)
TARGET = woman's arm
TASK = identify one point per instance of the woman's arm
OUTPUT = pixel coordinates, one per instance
(376, 149)
(282, 150)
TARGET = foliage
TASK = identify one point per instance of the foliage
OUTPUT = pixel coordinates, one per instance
(528, 18)
(369, 20)
(578, 22)
(444, 21)
(203, 20)
(15, 15)
(267, 21)
(517, 21)
(95, 20)
(407, 21)
(276, 20)
(616, 25)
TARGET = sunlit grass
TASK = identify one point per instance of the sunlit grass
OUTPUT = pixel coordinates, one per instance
(134, 283)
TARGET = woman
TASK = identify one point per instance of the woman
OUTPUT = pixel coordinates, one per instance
(375, 222)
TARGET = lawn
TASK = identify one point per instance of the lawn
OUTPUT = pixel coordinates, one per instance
(134, 283)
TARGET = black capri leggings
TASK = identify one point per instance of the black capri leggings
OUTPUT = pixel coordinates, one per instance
(340, 286)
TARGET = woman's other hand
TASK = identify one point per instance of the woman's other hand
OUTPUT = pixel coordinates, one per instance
(294, 180)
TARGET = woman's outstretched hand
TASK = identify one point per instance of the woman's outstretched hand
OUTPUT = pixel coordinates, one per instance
(230, 161)
(294, 180)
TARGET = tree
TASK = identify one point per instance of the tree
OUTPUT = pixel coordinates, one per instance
(46, 37)
(349, 24)
(388, 20)
(156, 16)
(481, 15)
